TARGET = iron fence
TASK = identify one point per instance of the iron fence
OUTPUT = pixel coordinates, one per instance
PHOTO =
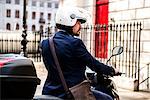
(99, 40)
(106, 37)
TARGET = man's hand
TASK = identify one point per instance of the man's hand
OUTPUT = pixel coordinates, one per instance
(117, 72)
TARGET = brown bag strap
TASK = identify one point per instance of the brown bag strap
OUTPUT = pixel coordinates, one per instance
(52, 48)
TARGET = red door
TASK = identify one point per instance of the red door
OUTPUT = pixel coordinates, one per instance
(101, 34)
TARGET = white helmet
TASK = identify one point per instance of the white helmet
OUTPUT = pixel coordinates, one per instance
(68, 16)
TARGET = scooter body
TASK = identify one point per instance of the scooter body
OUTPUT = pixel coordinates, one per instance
(103, 84)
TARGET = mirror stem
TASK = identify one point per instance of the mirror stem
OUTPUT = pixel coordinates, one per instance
(108, 60)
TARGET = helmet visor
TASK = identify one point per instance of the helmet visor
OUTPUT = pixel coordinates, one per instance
(82, 20)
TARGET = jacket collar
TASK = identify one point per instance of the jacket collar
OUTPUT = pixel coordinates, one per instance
(65, 32)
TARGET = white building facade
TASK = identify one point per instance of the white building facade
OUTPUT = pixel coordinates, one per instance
(11, 14)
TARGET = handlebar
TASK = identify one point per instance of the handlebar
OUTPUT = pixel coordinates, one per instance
(119, 74)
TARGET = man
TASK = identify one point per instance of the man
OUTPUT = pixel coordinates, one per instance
(72, 55)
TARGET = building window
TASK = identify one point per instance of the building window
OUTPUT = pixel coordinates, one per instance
(8, 27)
(17, 14)
(17, 26)
(56, 5)
(41, 4)
(8, 1)
(8, 13)
(41, 27)
(17, 2)
(33, 27)
(41, 15)
(49, 16)
(49, 5)
(33, 3)
(33, 15)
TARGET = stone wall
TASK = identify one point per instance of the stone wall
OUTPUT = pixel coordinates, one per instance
(138, 11)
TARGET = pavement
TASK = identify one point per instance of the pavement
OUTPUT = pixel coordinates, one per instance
(123, 93)
(132, 95)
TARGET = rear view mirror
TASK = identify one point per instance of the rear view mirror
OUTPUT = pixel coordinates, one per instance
(117, 50)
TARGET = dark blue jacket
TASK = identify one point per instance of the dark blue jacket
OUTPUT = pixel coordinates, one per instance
(73, 58)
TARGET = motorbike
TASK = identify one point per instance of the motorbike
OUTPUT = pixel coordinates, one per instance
(19, 79)
(102, 82)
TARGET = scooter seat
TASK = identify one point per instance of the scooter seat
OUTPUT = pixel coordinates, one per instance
(45, 97)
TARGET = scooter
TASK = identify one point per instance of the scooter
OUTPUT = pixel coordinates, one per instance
(104, 83)
(19, 79)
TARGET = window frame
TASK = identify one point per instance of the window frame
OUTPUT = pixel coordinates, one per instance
(56, 5)
(17, 14)
(8, 13)
(8, 1)
(17, 26)
(49, 15)
(33, 15)
(33, 28)
(17, 2)
(34, 3)
(49, 5)
(41, 4)
(8, 26)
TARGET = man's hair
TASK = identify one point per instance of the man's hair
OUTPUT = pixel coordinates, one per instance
(66, 28)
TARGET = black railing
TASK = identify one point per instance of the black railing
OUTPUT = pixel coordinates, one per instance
(146, 79)
(9, 45)
(108, 36)
(99, 40)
